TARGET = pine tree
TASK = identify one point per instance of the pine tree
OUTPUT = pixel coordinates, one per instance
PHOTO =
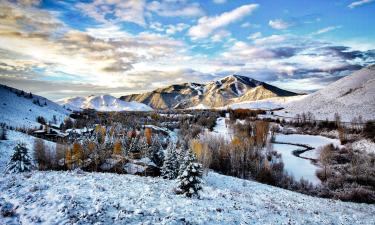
(157, 152)
(3, 133)
(189, 182)
(170, 165)
(20, 160)
(186, 160)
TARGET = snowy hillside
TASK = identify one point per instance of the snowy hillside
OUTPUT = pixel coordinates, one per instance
(266, 104)
(103, 103)
(350, 96)
(22, 110)
(103, 198)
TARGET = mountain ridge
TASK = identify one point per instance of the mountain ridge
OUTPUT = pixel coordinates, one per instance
(218, 93)
(102, 103)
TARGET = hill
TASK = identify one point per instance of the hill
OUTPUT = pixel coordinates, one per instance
(21, 109)
(351, 96)
(229, 90)
(102, 103)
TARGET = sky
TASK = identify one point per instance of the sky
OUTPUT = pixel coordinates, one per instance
(68, 48)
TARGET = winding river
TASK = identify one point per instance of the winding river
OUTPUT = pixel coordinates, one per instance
(301, 166)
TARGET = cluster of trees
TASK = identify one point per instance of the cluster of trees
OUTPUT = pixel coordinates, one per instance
(245, 113)
(106, 148)
(180, 163)
(347, 175)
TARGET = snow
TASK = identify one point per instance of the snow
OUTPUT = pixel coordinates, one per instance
(314, 141)
(103, 103)
(351, 96)
(172, 135)
(220, 130)
(200, 106)
(364, 145)
(298, 167)
(104, 198)
(19, 111)
(265, 104)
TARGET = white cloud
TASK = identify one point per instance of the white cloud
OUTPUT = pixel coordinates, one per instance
(279, 24)
(220, 35)
(359, 3)
(326, 29)
(175, 8)
(172, 29)
(128, 11)
(273, 39)
(219, 1)
(255, 35)
(206, 25)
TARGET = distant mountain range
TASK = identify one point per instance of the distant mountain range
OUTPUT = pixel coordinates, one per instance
(229, 90)
(102, 103)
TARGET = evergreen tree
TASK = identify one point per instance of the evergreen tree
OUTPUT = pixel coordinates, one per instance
(170, 165)
(20, 160)
(189, 182)
(3, 133)
(187, 158)
(157, 152)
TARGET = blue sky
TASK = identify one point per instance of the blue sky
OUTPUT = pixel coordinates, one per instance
(67, 48)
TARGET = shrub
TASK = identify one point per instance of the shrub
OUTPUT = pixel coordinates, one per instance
(369, 130)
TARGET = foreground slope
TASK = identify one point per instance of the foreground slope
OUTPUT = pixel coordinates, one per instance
(19, 110)
(103, 103)
(351, 96)
(105, 198)
(87, 198)
(220, 93)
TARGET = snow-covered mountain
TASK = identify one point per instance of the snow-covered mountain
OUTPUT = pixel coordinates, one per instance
(21, 109)
(229, 90)
(102, 103)
(351, 96)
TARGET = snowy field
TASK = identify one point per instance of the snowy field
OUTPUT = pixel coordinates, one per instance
(87, 198)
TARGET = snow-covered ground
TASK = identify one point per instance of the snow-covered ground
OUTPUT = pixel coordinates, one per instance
(19, 111)
(103, 103)
(364, 145)
(221, 130)
(265, 104)
(103, 198)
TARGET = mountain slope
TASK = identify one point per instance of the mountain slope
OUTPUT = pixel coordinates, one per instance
(20, 109)
(103, 103)
(229, 90)
(351, 96)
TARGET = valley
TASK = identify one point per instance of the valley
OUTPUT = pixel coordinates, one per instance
(246, 146)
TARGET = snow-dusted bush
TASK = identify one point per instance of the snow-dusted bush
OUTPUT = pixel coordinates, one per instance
(189, 181)
(20, 160)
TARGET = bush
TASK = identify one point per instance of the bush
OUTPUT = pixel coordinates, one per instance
(369, 130)
(41, 120)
